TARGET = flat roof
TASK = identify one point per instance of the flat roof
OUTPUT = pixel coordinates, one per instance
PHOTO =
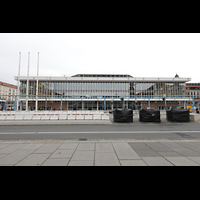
(102, 75)
(8, 85)
(103, 79)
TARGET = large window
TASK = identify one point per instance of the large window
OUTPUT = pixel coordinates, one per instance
(103, 88)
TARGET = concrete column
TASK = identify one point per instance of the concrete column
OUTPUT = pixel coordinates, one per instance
(104, 103)
(20, 105)
(61, 103)
(126, 103)
(36, 102)
(15, 103)
(82, 105)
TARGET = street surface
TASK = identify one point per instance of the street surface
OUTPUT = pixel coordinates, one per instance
(115, 131)
(115, 144)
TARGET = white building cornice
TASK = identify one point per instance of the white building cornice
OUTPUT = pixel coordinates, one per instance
(104, 79)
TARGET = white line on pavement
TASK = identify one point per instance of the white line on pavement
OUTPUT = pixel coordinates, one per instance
(101, 132)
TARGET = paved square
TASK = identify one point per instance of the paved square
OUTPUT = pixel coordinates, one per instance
(181, 161)
(83, 155)
(33, 160)
(132, 163)
(15, 157)
(48, 148)
(86, 146)
(81, 163)
(62, 153)
(56, 162)
(106, 159)
(99, 153)
(104, 147)
(156, 161)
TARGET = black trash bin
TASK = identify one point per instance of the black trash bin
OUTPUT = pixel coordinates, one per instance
(123, 115)
(149, 115)
(178, 115)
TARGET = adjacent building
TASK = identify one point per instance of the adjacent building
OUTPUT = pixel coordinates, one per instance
(193, 90)
(101, 92)
(6, 98)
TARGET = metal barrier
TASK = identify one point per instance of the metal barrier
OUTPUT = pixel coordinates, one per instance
(49, 115)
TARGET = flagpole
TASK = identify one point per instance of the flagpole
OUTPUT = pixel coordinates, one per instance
(18, 81)
(36, 102)
(27, 85)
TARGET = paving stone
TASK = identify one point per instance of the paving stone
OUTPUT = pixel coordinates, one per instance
(4, 145)
(157, 146)
(124, 151)
(170, 154)
(83, 155)
(156, 161)
(48, 148)
(138, 146)
(186, 152)
(195, 159)
(106, 159)
(15, 157)
(195, 146)
(171, 144)
(61, 153)
(120, 145)
(68, 146)
(126, 154)
(181, 161)
(33, 146)
(81, 163)
(2, 155)
(104, 147)
(11, 148)
(5, 165)
(147, 153)
(86, 146)
(33, 160)
(132, 163)
(56, 162)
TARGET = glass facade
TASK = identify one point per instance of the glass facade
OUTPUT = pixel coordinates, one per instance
(141, 89)
(100, 94)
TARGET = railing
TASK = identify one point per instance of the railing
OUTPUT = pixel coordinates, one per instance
(50, 97)
(104, 98)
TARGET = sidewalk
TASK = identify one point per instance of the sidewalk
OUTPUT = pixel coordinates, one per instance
(100, 153)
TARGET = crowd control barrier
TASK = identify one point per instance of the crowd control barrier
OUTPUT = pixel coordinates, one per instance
(53, 115)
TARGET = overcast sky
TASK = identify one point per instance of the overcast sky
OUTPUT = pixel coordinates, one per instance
(137, 54)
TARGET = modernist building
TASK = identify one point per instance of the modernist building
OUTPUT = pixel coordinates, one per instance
(100, 92)
(6, 98)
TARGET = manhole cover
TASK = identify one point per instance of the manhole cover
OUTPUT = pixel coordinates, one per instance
(82, 139)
